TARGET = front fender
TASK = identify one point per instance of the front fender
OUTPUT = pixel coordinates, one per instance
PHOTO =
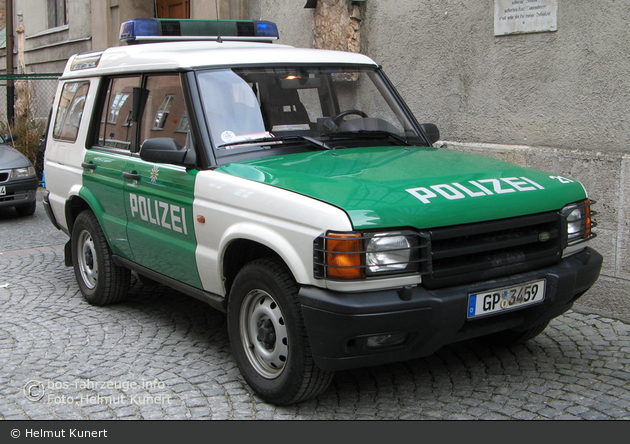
(275, 241)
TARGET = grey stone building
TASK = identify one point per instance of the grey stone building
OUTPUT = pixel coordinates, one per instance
(542, 83)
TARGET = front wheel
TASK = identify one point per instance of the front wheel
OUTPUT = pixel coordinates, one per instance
(268, 336)
(101, 281)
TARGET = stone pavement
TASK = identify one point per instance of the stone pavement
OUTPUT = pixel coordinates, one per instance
(162, 355)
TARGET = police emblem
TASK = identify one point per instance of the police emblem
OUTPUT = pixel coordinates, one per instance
(154, 174)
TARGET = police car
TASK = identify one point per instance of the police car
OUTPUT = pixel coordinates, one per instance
(295, 191)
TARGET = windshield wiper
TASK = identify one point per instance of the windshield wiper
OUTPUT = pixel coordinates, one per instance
(368, 134)
(263, 140)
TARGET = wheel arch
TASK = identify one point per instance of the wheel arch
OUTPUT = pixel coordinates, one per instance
(245, 242)
(77, 202)
(240, 252)
(74, 206)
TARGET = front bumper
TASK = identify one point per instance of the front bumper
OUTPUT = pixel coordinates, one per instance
(19, 192)
(339, 324)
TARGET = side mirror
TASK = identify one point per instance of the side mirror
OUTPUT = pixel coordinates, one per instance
(431, 131)
(166, 150)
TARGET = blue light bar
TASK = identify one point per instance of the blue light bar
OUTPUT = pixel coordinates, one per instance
(153, 30)
(266, 29)
(131, 30)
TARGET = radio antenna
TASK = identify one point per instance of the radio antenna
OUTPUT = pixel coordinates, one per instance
(216, 5)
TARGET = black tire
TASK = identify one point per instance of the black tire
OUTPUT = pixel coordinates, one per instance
(512, 337)
(26, 210)
(268, 336)
(101, 281)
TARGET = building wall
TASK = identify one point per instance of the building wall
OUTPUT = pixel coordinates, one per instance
(92, 25)
(556, 101)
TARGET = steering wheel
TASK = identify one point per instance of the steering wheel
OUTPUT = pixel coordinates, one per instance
(337, 119)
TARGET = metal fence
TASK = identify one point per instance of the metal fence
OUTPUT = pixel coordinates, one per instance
(33, 94)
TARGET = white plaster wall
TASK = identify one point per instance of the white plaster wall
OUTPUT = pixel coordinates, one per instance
(557, 101)
(567, 89)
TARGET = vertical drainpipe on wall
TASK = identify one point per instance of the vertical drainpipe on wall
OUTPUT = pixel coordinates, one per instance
(9, 61)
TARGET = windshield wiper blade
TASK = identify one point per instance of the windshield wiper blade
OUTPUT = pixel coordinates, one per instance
(262, 140)
(259, 141)
(313, 141)
(369, 133)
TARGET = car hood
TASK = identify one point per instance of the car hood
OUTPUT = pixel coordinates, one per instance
(11, 158)
(419, 187)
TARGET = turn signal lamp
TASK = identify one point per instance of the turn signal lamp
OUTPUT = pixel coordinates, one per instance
(160, 30)
(579, 221)
(343, 255)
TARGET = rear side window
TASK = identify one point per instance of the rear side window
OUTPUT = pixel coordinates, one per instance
(70, 110)
(116, 123)
(163, 112)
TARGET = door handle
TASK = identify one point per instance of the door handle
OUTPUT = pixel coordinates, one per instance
(131, 176)
(88, 166)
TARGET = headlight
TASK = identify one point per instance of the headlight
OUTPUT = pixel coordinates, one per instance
(388, 252)
(22, 173)
(358, 255)
(579, 221)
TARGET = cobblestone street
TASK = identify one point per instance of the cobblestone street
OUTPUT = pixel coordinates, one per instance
(162, 355)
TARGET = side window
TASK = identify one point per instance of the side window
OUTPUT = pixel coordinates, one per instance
(165, 111)
(115, 130)
(162, 113)
(70, 111)
(118, 102)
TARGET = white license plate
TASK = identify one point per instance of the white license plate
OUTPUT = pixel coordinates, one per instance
(504, 299)
(3, 191)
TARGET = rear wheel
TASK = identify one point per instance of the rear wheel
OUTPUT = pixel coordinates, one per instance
(101, 281)
(268, 335)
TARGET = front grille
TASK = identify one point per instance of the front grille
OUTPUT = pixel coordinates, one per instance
(481, 251)
(4, 176)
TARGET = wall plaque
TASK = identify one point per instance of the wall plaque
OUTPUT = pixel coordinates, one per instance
(525, 16)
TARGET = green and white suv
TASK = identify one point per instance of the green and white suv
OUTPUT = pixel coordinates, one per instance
(294, 190)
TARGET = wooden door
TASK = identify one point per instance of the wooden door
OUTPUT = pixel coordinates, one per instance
(173, 9)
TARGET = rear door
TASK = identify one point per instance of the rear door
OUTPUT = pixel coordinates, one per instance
(106, 160)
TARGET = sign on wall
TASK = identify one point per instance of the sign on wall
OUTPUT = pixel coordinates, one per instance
(525, 16)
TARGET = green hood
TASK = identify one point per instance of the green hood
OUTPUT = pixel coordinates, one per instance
(386, 187)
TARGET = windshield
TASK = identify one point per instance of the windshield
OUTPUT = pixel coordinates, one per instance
(298, 108)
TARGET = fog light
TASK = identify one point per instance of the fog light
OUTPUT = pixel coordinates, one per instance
(388, 340)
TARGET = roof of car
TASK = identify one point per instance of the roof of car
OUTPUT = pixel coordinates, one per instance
(192, 54)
